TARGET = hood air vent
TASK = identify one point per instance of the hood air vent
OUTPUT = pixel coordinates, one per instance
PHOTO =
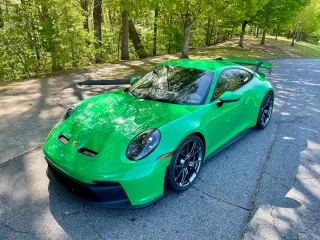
(87, 152)
(63, 139)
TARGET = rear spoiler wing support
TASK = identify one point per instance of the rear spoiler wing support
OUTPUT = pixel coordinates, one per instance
(257, 63)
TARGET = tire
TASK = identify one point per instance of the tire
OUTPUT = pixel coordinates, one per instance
(265, 111)
(184, 168)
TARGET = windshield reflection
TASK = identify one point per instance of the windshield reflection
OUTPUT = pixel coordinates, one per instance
(173, 84)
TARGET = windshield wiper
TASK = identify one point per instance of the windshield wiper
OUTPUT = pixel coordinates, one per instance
(131, 93)
(159, 100)
(164, 100)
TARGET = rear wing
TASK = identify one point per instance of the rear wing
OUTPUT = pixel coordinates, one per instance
(257, 63)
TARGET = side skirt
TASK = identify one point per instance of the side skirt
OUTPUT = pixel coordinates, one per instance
(233, 140)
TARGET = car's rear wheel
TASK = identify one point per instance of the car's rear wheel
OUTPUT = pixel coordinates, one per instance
(186, 163)
(265, 111)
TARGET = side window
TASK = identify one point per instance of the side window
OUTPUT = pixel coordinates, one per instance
(231, 80)
(244, 76)
(228, 81)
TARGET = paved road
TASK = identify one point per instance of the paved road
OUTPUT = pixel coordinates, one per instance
(265, 186)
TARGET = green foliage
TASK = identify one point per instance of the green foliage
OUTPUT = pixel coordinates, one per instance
(308, 20)
(40, 36)
(278, 13)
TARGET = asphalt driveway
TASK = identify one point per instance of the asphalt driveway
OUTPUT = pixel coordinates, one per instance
(264, 186)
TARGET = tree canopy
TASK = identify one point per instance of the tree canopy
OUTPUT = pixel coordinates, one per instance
(40, 36)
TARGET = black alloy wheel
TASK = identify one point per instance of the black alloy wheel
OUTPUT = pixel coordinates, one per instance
(186, 163)
(265, 111)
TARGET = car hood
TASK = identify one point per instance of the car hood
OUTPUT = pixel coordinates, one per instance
(101, 122)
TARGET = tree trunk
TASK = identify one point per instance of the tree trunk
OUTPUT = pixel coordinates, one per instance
(299, 37)
(37, 50)
(289, 33)
(125, 36)
(119, 44)
(257, 32)
(110, 20)
(243, 29)
(155, 32)
(263, 40)
(170, 34)
(212, 33)
(187, 27)
(276, 35)
(208, 32)
(254, 31)
(293, 38)
(97, 21)
(84, 6)
(1, 19)
(136, 40)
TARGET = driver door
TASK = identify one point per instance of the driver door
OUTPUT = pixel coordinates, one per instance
(225, 122)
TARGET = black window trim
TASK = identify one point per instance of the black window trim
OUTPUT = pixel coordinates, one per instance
(231, 68)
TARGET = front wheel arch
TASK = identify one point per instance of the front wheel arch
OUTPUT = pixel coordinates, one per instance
(203, 140)
(190, 164)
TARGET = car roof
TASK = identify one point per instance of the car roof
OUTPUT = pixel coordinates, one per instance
(201, 64)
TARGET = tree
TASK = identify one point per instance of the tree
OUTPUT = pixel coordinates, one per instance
(155, 31)
(48, 33)
(243, 30)
(243, 12)
(85, 14)
(97, 21)
(305, 21)
(136, 40)
(1, 18)
(125, 36)
(294, 35)
(188, 11)
(40, 36)
(263, 39)
(276, 13)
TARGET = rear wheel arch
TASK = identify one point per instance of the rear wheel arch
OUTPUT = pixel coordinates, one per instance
(270, 91)
(263, 96)
(259, 121)
(259, 99)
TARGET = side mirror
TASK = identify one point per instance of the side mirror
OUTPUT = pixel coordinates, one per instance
(134, 79)
(228, 97)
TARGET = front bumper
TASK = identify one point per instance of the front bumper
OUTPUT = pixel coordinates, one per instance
(108, 195)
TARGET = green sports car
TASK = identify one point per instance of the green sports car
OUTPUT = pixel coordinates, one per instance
(125, 148)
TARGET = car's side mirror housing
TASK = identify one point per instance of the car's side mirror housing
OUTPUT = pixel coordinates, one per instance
(228, 97)
(134, 79)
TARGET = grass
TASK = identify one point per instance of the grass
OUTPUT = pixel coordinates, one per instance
(252, 50)
(300, 49)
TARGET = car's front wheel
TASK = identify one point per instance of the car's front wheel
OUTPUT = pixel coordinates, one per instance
(265, 111)
(186, 163)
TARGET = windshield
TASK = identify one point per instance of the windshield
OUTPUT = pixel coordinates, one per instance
(173, 84)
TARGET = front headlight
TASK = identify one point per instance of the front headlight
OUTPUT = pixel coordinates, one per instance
(69, 111)
(143, 144)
